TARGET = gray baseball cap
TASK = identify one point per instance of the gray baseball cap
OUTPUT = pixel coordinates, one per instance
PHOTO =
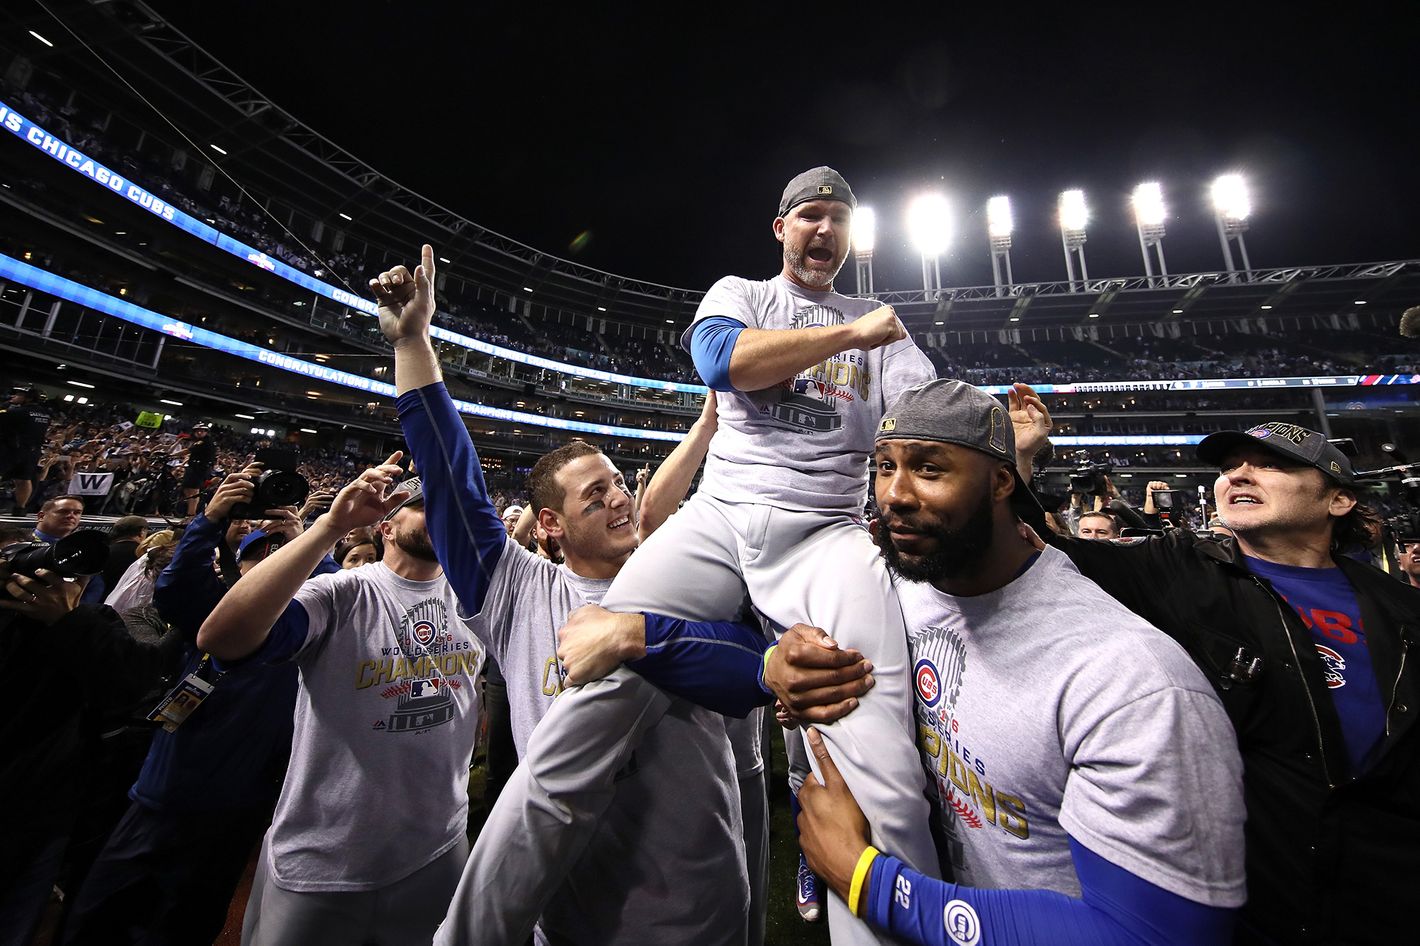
(1286, 440)
(821, 183)
(948, 411)
(416, 496)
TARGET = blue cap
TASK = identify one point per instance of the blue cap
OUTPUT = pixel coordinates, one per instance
(258, 544)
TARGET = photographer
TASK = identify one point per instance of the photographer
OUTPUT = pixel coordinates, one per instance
(1307, 649)
(50, 735)
(205, 792)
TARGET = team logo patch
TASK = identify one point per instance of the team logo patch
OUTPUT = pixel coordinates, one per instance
(998, 426)
(825, 189)
(961, 923)
(888, 425)
(1261, 433)
(929, 684)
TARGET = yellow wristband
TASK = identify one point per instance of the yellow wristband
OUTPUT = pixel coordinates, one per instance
(860, 876)
(764, 667)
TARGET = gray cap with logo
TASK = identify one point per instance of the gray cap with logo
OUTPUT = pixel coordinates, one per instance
(416, 496)
(822, 183)
(948, 411)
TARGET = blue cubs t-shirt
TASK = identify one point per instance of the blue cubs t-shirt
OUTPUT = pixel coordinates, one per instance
(1327, 605)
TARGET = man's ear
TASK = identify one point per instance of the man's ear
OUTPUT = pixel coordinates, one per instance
(1003, 482)
(550, 522)
(779, 229)
(1342, 502)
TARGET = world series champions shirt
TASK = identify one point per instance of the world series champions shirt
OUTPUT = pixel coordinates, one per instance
(803, 444)
(1046, 709)
(385, 722)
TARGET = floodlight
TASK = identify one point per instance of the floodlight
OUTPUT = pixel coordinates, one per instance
(1231, 207)
(865, 224)
(1230, 198)
(1073, 213)
(929, 224)
(1074, 216)
(1149, 208)
(998, 217)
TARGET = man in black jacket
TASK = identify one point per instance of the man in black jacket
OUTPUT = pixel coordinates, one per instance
(1309, 651)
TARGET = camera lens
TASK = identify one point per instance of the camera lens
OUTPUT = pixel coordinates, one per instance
(281, 488)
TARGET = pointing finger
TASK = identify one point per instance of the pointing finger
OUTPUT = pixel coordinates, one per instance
(426, 260)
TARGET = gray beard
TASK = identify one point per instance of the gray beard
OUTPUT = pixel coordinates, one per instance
(805, 275)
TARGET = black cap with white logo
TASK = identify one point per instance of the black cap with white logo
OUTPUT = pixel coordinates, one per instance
(1286, 440)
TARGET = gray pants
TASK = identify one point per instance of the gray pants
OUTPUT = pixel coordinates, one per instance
(405, 913)
(754, 806)
(821, 569)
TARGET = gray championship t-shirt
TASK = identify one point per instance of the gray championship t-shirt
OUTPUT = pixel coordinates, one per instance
(1046, 708)
(385, 722)
(804, 444)
(528, 600)
(631, 883)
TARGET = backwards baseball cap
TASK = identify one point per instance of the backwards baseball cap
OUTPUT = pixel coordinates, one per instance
(948, 411)
(821, 183)
(1286, 440)
(256, 545)
(513, 511)
(416, 496)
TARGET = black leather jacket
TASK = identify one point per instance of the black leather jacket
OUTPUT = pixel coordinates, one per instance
(1332, 857)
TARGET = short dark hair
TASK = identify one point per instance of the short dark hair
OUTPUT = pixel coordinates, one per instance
(49, 503)
(129, 527)
(542, 481)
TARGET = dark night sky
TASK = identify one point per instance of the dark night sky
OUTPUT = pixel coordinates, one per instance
(668, 137)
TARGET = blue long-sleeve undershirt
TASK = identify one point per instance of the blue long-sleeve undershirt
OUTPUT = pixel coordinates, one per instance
(711, 345)
(1115, 908)
(464, 528)
(713, 664)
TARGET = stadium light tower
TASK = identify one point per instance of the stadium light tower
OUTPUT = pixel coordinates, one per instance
(1074, 216)
(1149, 217)
(1231, 208)
(865, 224)
(999, 224)
(929, 225)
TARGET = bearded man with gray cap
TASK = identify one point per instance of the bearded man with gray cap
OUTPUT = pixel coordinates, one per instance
(1309, 651)
(1081, 766)
(367, 843)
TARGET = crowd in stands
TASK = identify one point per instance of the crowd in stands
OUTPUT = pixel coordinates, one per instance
(1135, 358)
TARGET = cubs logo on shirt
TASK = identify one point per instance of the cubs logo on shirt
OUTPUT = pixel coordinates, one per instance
(423, 632)
(929, 684)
